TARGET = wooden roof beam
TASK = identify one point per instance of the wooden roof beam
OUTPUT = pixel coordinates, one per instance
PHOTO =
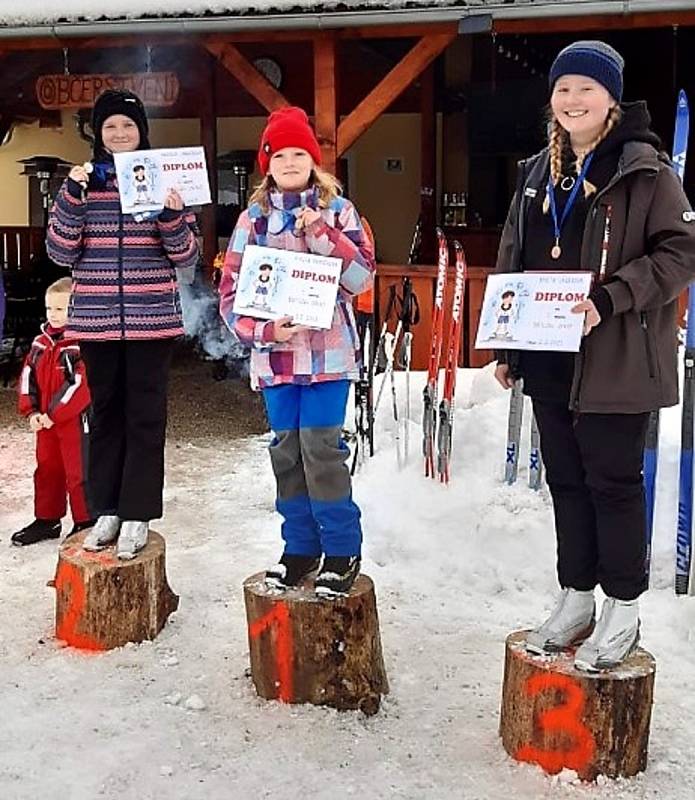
(257, 85)
(325, 98)
(390, 87)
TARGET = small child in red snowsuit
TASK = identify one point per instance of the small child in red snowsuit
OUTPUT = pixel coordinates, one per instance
(54, 396)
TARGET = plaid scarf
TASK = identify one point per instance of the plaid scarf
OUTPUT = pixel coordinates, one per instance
(285, 207)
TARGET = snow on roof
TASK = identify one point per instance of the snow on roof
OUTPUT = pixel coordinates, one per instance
(40, 12)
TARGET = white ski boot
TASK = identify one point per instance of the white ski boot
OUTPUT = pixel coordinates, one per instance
(571, 621)
(104, 533)
(615, 636)
(133, 538)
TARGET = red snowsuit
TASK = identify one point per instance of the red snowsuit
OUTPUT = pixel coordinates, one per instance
(54, 382)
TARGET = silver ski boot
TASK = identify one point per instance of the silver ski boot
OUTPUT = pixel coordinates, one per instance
(571, 621)
(104, 533)
(133, 538)
(615, 636)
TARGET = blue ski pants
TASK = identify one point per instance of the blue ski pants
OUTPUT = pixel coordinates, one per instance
(308, 454)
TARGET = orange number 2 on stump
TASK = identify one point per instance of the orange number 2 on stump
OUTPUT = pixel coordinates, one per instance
(66, 629)
(565, 718)
(279, 618)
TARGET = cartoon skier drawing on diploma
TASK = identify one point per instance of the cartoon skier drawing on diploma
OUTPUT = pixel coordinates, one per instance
(504, 316)
(143, 185)
(263, 287)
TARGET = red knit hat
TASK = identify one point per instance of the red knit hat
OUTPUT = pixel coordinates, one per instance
(287, 127)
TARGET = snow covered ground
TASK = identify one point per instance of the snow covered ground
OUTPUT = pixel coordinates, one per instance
(456, 569)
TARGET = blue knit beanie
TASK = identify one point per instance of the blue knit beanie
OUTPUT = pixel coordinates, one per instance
(594, 59)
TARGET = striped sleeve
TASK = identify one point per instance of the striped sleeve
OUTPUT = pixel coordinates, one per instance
(249, 331)
(349, 242)
(178, 239)
(65, 228)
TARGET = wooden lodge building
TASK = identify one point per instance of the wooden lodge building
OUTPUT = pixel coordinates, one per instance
(422, 107)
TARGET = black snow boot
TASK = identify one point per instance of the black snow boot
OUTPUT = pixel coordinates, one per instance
(336, 576)
(290, 570)
(39, 530)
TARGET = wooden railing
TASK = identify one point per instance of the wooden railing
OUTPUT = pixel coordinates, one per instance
(423, 279)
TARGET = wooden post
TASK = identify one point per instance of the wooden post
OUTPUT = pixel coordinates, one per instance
(325, 98)
(208, 137)
(102, 603)
(307, 650)
(560, 718)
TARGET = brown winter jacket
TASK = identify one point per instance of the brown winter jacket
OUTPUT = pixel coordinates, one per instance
(627, 364)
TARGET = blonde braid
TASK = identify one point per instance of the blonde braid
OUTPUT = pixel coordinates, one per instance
(613, 118)
(556, 143)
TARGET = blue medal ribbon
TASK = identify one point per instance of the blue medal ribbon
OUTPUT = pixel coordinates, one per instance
(556, 252)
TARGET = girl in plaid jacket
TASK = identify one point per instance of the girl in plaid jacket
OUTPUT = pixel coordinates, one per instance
(305, 374)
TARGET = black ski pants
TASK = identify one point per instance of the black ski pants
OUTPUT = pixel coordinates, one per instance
(128, 382)
(594, 472)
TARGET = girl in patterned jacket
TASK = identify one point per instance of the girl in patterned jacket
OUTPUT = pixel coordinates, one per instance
(305, 374)
(126, 313)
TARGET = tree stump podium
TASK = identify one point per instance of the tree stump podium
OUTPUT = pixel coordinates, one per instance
(560, 718)
(102, 603)
(307, 650)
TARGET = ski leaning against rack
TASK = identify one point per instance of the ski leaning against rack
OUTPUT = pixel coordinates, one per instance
(410, 308)
(446, 407)
(364, 411)
(429, 413)
(651, 445)
(515, 419)
(407, 360)
(535, 462)
(685, 581)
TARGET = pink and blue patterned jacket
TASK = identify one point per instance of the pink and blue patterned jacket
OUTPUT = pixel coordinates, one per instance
(310, 356)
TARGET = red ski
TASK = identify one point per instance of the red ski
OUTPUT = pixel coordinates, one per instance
(429, 415)
(446, 407)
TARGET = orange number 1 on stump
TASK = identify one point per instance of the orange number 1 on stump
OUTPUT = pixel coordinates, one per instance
(279, 618)
(565, 718)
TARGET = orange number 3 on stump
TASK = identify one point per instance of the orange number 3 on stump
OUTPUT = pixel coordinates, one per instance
(565, 718)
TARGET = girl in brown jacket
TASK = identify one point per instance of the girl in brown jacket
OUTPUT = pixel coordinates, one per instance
(592, 408)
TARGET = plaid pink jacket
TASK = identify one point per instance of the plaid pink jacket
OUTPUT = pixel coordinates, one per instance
(311, 356)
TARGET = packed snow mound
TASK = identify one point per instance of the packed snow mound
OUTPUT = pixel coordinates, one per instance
(456, 568)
